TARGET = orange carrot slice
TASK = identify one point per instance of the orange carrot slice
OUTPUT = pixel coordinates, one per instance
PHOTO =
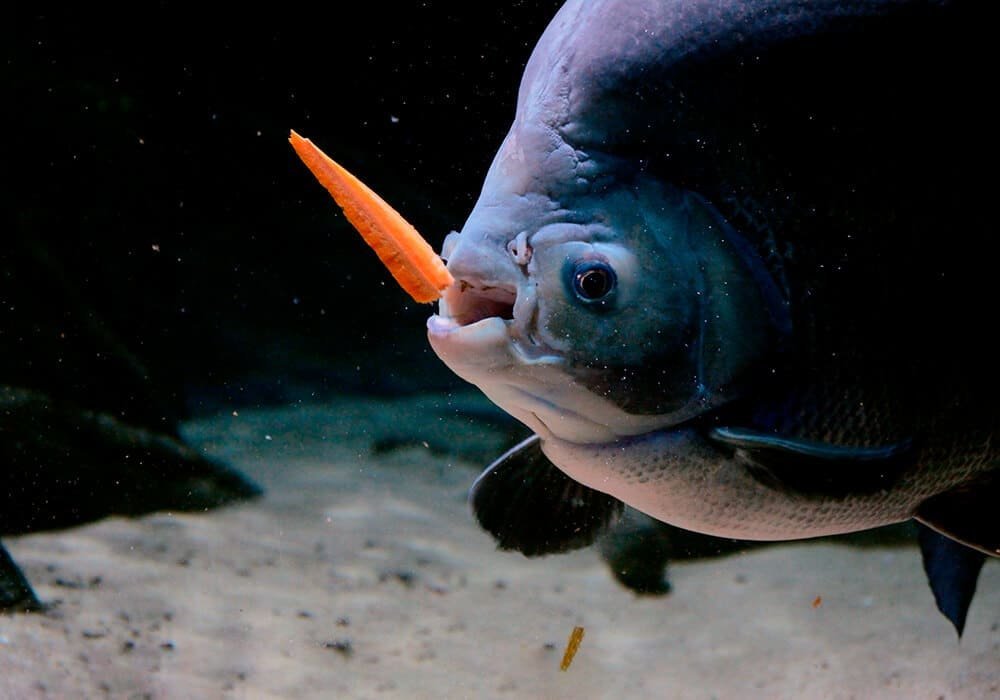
(411, 260)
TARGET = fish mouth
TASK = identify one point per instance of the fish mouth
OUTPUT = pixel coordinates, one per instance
(465, 303)
(478, 315)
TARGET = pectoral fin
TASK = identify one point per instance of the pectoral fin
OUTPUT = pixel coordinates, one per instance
(816, 468)
(529, 505)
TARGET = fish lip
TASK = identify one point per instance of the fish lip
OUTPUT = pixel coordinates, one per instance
(439, 325)
(445, 332)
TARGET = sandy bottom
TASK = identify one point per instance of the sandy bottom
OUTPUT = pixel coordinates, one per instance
(362, 574)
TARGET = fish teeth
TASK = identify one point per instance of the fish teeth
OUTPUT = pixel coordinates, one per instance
(443, 309)
(441, 324)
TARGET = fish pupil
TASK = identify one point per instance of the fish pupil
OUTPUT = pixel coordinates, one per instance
(593, 281)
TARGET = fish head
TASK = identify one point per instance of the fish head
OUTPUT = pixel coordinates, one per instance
(594, 302)
(594, 299)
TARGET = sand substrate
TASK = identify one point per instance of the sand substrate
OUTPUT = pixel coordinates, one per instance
(361, 574)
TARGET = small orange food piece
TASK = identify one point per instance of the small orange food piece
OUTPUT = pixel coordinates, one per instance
(411, 260)
(575, 637)
(818, 601)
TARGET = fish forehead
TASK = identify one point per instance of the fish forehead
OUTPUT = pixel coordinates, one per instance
(535, 179)
(592, 48)
(541, 196)
(554, 153)
(539, 173)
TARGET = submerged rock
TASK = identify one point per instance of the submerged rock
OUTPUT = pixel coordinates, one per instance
(87, 428)
(64, 465)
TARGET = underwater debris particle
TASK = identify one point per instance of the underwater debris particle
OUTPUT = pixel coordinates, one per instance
(405, 577)
(575, 637)
(344, 647)
(818, 602)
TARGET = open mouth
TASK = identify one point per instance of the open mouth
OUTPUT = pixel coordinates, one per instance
(465, 303)
(494, 311)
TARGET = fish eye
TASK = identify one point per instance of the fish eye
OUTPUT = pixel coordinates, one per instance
(593, 280)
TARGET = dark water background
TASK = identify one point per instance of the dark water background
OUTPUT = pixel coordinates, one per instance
(164, 255)
(157, 217)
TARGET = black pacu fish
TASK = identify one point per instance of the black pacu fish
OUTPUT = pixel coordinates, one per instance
(732, 265)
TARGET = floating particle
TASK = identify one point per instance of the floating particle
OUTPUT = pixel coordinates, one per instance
(575, 637)
(818, 602)
(344, 647)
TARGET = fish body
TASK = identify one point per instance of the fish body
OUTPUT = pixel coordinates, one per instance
(730, 268)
